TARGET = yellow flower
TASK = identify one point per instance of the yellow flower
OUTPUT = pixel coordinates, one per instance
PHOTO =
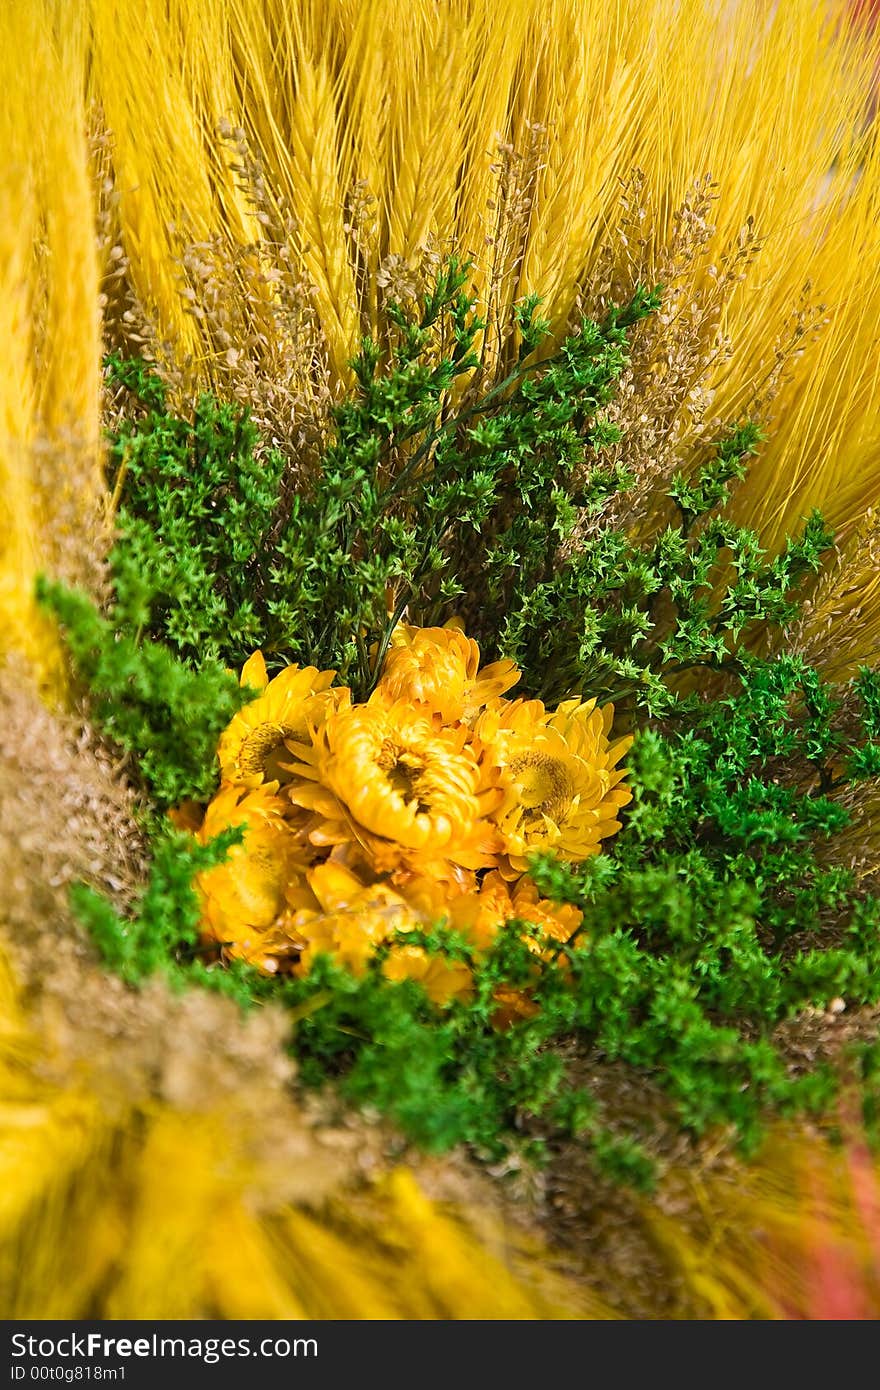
(243, 897)
(480, 915)
(250, 745)
(558, 921)
(512, 1006)
(439, 667)
(429, 892)
(560, 777)
(387, 778)
(442, 979)
(426, 884)
(348, 919)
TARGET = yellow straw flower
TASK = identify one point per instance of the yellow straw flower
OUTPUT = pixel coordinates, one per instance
(387, 778)
(431, 889)
(480, 915)
(560, 777)
(243, 897)
(443, 980)
(348, 919)
(439, 667)
(249, 747)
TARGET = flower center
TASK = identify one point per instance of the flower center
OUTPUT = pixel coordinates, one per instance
(404, 772)
(260, 751)
(544, 786)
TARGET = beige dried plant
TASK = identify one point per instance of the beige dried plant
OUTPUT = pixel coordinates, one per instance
(838, 621)
(666, 404)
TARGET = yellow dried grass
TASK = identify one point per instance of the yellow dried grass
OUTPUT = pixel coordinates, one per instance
(50, 464)
(769, 100)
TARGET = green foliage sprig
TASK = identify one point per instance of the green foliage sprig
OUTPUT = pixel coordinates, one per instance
(163, 933)
(167, 715)
(198, 499)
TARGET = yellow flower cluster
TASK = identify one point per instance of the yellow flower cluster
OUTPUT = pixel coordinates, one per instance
(419, 805)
